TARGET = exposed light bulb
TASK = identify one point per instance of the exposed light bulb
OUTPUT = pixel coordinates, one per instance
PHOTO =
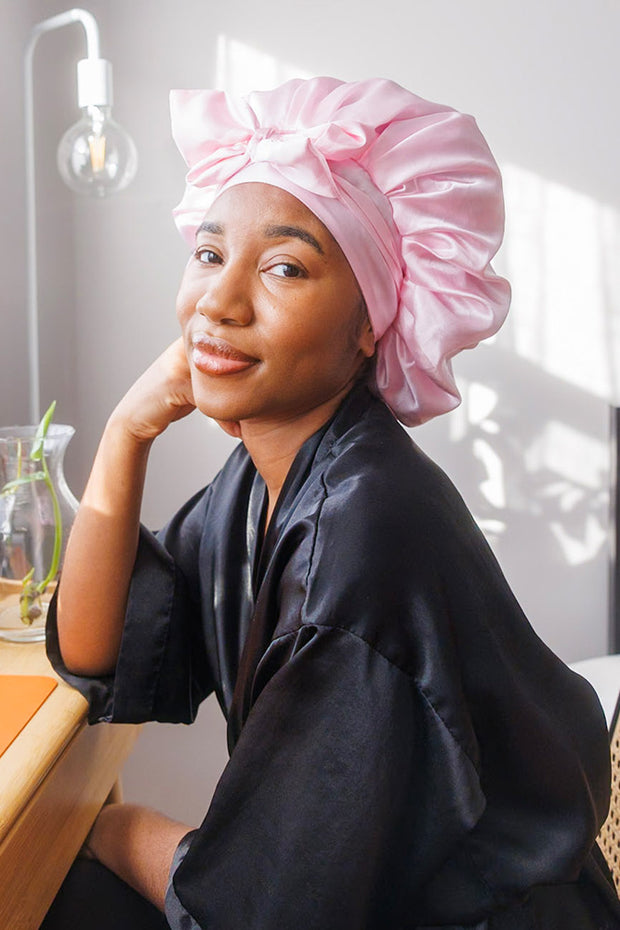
(96, 156)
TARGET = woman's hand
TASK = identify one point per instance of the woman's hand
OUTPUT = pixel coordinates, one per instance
(160, 396)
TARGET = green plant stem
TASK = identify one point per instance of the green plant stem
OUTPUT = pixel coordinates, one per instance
(55, 563)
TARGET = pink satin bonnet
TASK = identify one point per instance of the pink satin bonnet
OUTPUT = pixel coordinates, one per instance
(409, 190)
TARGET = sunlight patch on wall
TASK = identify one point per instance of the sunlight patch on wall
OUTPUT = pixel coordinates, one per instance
(551, 474)
(240, 68)
(568, 453)
(576, 469)
(560, 254)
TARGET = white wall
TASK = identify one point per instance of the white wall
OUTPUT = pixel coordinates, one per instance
(528, 446)
(55, 109)
(14, 24)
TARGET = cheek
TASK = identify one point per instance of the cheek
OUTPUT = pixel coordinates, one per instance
(186, 297)
(321, 328)
(301, 340)
(185, 305)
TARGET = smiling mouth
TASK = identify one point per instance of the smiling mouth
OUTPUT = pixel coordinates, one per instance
(214, 356)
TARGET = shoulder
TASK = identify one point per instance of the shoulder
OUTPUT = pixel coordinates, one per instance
(386, 547)
(378, 485)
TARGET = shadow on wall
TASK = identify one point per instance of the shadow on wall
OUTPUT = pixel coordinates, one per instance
(530, 455)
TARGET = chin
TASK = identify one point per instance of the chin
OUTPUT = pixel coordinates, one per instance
(213, 404)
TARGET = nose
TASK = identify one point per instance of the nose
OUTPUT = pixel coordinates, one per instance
(227, 297)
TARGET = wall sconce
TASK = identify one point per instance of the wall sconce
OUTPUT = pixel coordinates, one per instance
(95, 156)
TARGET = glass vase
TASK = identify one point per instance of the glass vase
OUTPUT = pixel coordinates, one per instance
(28, 526)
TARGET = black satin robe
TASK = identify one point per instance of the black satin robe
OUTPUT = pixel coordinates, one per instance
(404, 751)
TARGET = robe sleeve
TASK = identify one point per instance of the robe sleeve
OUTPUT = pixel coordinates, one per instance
(162, 671)
(415, 577)
(341, 767)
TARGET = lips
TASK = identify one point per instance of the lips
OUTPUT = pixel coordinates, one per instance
(214, 356)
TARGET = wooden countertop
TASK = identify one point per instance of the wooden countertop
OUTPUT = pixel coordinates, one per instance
(54, 779)
(25, 763)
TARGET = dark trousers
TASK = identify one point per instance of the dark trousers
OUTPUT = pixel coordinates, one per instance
(91, 896)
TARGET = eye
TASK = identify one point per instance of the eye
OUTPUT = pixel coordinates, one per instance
(286, 270)
(207, 256)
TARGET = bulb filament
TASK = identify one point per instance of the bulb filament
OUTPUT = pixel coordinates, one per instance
(96, 145)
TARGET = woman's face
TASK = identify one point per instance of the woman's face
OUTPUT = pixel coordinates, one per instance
(271, 314)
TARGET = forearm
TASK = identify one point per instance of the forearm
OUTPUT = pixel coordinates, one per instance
(104, 538)
(138, 845)
(101, 553)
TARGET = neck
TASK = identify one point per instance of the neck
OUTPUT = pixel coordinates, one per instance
(273, 445)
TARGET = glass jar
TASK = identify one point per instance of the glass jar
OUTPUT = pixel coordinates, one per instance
(28, 526)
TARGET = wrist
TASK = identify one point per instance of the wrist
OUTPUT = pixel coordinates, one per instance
(127, 432)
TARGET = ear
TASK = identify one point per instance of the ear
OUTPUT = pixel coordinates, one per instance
(367, 339)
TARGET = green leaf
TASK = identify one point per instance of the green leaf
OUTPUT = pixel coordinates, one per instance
(36, 453)
(11, 486)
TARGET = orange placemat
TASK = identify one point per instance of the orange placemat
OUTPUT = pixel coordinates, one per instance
(20, 698)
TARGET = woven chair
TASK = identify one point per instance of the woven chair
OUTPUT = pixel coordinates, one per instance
(609, 837)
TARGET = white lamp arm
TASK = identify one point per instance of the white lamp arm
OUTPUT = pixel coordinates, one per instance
(87, 20)
(92, 43)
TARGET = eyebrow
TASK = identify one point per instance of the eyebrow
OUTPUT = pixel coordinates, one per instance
(278, 232)
(272, 232)
(216, 229)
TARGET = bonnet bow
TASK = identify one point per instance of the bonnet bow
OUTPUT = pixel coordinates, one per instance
(407, 187)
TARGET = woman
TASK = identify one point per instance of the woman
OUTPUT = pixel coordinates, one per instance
(405, 753)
